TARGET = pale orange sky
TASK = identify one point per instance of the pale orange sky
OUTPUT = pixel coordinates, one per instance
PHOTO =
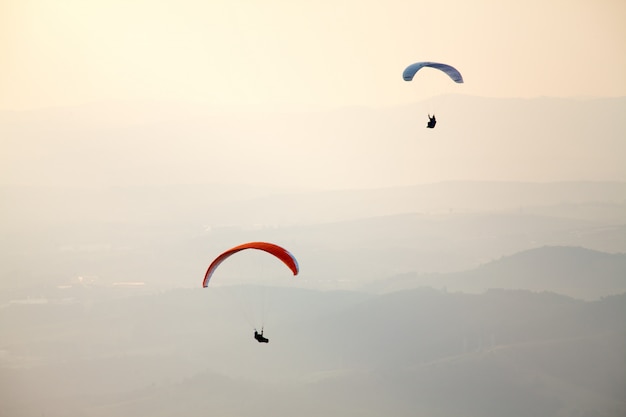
(328, 53)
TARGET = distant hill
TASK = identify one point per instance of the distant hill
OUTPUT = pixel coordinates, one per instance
(222, 205)
(574, 271)
(503, 352)
(477, 138)
(344, 238)
(471, 355)
(565, 270)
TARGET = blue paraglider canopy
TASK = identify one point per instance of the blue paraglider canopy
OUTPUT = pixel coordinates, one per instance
(452, 72)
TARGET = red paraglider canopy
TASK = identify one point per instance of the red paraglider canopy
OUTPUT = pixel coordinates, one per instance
(281, 253)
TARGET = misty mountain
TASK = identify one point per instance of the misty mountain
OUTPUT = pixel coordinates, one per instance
(183, 352)
(167, 235)
(425, 325)
(554, 268)
(504, 351)
(574, 271)
(122, 144)
(112, 212)
(223, 205)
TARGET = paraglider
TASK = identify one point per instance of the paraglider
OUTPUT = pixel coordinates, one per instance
(410, 71)
(282, 254)
(431, 121)
(259, 337)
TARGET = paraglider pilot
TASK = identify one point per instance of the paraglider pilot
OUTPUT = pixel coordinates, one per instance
(431, 121)
(259, 337)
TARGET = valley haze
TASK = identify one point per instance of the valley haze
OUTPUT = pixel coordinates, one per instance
(478, 269)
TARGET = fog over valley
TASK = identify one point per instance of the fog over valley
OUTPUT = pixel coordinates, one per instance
(318, 209)
(473, 271)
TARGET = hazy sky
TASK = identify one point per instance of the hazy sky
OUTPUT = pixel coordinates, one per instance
(324, 53)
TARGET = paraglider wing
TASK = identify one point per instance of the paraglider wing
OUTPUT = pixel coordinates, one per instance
(281, 253)
(452, 72)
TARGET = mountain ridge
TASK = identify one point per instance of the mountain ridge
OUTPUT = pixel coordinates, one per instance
(574, 271)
